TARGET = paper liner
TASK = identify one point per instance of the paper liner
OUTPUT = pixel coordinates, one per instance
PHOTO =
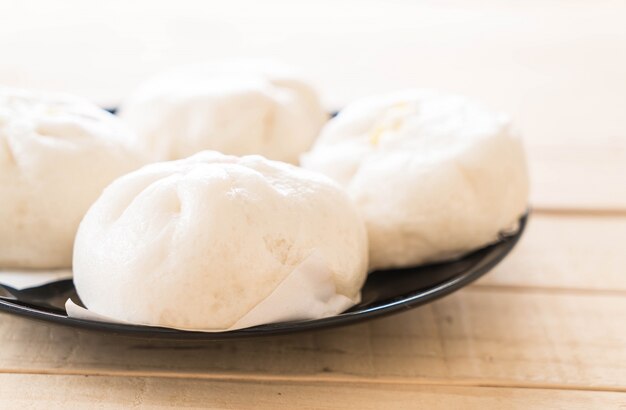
(24, 279)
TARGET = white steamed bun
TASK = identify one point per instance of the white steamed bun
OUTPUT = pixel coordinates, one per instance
(238, 107)
(57, 153)
(198, 243)
(434, 175)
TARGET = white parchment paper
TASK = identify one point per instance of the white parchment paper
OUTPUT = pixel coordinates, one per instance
(24, 279)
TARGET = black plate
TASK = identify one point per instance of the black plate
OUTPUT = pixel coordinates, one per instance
(384, 293)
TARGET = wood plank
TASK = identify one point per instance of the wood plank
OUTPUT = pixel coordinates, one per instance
(583, 252)
(573, 175)
(46, 392)
(474, 337)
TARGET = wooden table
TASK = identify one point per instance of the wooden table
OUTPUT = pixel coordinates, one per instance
(546, 329)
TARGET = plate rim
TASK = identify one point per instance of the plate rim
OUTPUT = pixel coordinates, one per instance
(412, 300)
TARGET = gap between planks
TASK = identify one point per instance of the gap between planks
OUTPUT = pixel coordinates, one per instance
(323, 379)
(575, 211)
(545, 289)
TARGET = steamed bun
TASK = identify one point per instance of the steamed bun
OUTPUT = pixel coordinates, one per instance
(434, 175)
(198, 243)
(238, 108)
(57, 153)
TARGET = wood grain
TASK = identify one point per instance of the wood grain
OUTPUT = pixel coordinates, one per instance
(475, 337)
(59, 392)
(562, 251)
